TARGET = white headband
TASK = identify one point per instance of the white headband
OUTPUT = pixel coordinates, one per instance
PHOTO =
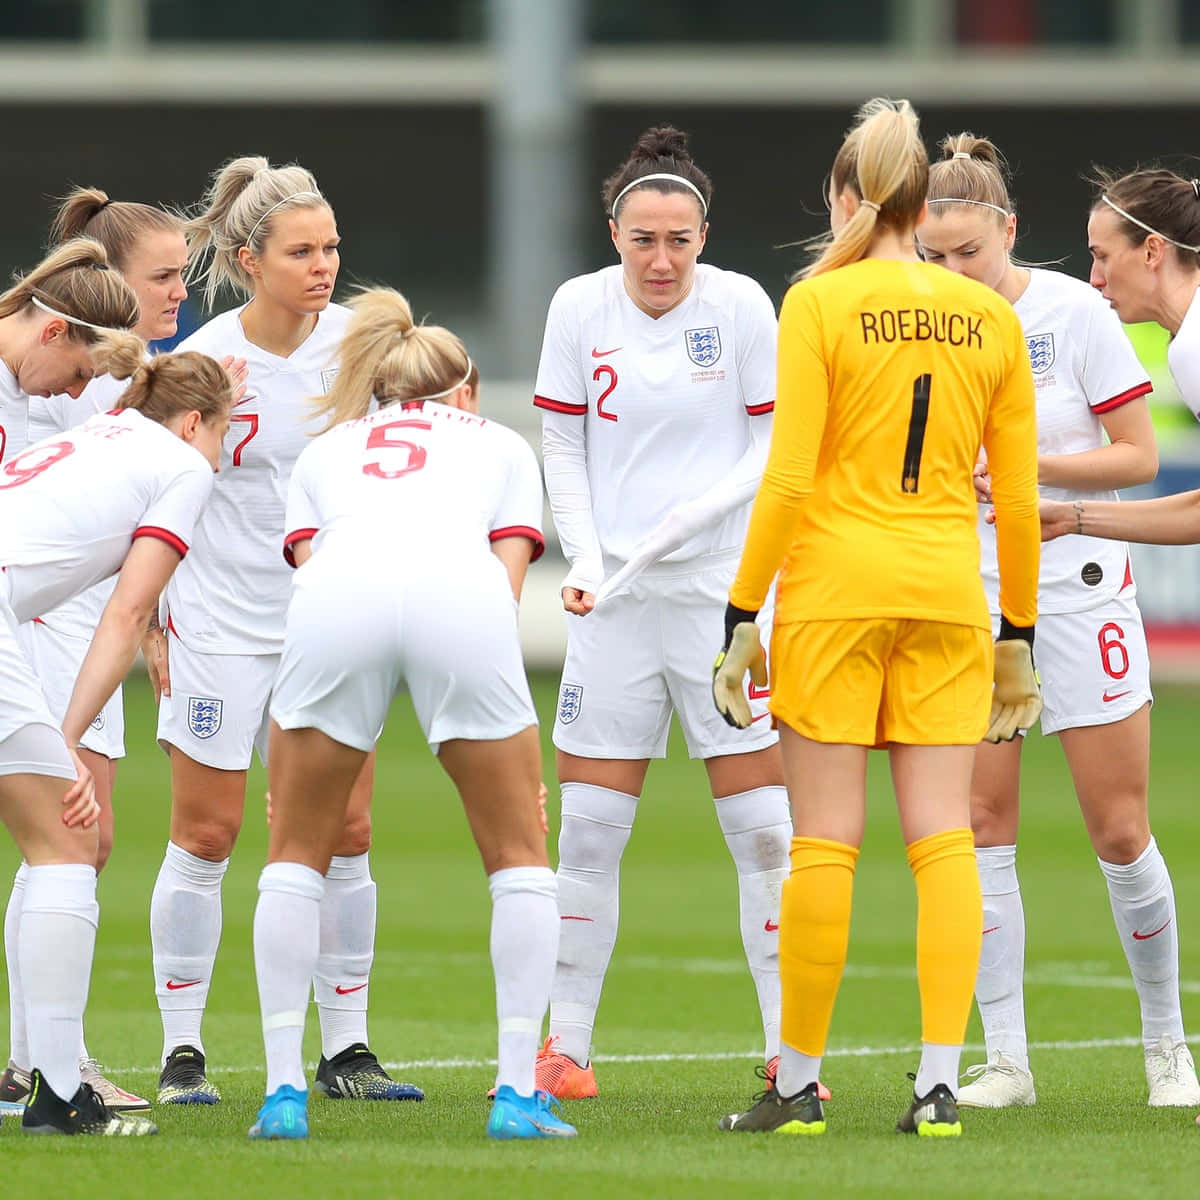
(1148, 228)
(665, 175)
(960, 200)
(62, 316)
(280, 204)
(446, 392)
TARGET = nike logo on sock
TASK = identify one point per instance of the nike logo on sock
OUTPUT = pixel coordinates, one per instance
(1141, 937)
(991, 929)
(341, 991)
(771, 926)
(577, 918)
(172, 986)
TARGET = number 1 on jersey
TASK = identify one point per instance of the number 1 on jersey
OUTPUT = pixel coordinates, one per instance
(916, 434)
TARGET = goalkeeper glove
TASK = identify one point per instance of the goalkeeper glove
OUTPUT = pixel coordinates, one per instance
(742, 652)
(1017, 695)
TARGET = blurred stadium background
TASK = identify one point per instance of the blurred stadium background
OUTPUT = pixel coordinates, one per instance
(462, 144)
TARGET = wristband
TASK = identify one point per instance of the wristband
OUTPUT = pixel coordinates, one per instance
(734, 616)
(1013, 633)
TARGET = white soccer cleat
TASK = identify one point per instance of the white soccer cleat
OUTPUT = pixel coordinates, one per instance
(116, 1099)
(1171, 1075)
(998, 1083)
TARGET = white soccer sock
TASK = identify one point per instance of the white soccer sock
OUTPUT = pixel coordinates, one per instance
(18, 1039)
(287, 940)
(57, 939)
(347, 950)
(1143, 905)
(185, 930)
(796, 1071)
(596, 823)
(999, 987)
(939, 1064)
(758, 831)
(524, 946)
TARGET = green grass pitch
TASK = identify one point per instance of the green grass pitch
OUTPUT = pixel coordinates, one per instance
(677, 1034)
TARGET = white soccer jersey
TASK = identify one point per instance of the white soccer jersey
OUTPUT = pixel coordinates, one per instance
(14, 415)
(430, 482)
(79, 616)
(664, 405)
(1083, 367)
(1183, 356)
(230, 595)
(57, 537)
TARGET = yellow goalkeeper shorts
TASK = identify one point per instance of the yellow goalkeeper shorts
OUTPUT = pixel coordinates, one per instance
(869, 682)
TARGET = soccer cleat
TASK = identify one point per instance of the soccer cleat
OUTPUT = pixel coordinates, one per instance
(356, 1074)
(183, 1081)
(562, 1076)
(933, 1115)
(84, 1113)
(535, 1116)
(773, 1113)
(998, 1083)
(768, 1073)
(1171, 1075)
(116, 1099)
(14, 1089)
(284, 1115)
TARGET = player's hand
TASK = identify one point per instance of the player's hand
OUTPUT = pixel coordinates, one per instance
(742, 652)
(238, 373)
(154, 651)
(1017, 695)
(542, 808)
(983, 480)
(1058, 518)
(576, 600)
(81, 809)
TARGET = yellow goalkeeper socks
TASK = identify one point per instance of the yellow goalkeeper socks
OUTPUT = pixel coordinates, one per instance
(949, 932)
(814, 931)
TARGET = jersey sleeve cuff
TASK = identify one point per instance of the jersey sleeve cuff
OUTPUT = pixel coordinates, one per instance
(289, 543)
(1134, 393)
(757, 410)
(163, 535)
(525, 531)
(559, 406)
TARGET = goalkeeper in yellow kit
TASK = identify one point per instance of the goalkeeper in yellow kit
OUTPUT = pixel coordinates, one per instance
(892, 374)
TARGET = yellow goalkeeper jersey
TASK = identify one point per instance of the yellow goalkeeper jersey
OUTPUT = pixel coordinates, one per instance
(891, 376)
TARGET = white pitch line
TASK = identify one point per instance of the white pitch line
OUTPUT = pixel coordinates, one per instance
(451, 1064)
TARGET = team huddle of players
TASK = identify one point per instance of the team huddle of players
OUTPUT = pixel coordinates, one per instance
(217, 505)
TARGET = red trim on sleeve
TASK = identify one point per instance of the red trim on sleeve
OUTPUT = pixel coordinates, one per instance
(1128, 575)
(574, 410)
(164, 535)
(297, 535)
(171, 626)
(534, 535)
(1134, 393)
(757, 410)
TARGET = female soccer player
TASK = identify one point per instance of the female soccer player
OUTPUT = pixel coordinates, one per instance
(891, 375)
(458, 502)
(268, 233)
(656, 384)
(121, 493)
(146, 245)
(1094, 436)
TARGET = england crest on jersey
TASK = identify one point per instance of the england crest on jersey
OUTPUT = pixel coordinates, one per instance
(204, 715)
(703, 345)
(1041, 352)
(570, 702)
(328, 375)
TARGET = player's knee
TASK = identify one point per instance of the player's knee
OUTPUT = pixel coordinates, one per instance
(1120, 843)
(356, 836)
(591, 845)
(211, 840)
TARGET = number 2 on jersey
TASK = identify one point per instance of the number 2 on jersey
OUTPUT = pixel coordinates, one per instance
(601, 372)
(381, 439)
(916, 434)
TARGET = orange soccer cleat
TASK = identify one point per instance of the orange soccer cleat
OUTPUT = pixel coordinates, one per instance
(561, 1075)
(772, 1069)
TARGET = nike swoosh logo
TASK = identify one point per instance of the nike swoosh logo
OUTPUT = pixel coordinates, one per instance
(770, 925)
(1141, 937)
(172, 986)
(245, 400)
(992, 929)
(604, 353)
(1108, 699)
(760, 717)
(341, 991)
(577, 918)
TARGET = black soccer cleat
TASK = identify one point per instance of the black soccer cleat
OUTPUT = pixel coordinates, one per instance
(85, 1113)
(356, 1074)
(773, 1113)
(183, 1081)
(933, 1115)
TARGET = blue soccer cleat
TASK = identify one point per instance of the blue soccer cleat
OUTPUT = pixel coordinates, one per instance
(514, 1116)
(284, 1114)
